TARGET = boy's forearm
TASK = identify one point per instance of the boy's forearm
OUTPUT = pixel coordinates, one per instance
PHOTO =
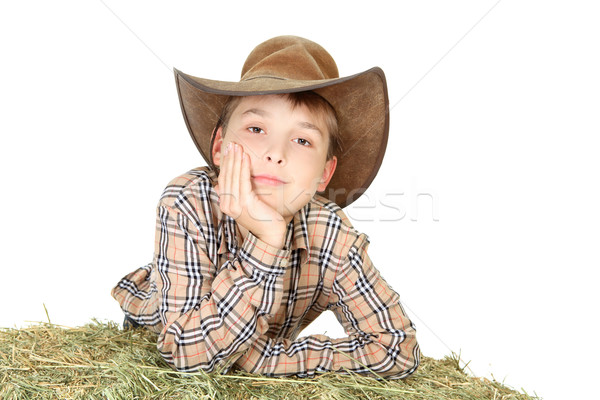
(206, 323)
(383, 340)
(224, 323)
(382, 354)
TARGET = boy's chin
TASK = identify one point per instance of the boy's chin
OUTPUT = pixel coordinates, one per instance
(286, 208)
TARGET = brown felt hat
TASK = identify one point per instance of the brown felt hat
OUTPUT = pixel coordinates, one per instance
(287, 64)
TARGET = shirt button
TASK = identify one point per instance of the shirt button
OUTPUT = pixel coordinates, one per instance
(284, 263)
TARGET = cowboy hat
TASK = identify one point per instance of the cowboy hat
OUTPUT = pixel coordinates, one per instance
(286, 64)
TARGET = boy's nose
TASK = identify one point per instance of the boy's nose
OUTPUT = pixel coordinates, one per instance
(275, 154)
(274, 158)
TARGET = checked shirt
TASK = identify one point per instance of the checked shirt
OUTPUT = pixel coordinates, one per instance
(220, 301)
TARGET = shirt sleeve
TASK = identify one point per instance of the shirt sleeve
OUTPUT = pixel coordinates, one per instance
(211, 313)
(381, 338)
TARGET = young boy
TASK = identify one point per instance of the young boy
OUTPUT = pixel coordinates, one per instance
(246, 253)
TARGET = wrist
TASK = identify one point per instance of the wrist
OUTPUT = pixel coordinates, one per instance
(277, 242)
(275, 239)
(273, 235)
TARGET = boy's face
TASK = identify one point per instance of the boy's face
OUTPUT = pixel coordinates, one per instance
(287, 148)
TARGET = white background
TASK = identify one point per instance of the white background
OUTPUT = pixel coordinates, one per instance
(493, 143)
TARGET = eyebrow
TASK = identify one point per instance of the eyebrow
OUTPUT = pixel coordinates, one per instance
(308, 125)
(257, 111)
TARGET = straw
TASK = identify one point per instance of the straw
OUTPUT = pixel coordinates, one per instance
(100, 360)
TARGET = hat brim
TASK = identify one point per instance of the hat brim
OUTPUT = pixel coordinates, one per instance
(361, 104)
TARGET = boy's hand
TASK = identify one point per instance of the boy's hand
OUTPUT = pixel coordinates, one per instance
(239, 201)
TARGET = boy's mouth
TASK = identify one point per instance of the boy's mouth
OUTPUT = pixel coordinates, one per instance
(270, 180)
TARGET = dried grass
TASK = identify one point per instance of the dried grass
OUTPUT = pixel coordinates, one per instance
(100, 360)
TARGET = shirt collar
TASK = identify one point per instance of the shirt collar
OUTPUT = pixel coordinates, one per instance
(227, 235)
(300, 237)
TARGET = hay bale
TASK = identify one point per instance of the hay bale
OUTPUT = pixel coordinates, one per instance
(99, 360)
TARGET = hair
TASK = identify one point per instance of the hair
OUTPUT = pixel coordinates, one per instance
(316, 104)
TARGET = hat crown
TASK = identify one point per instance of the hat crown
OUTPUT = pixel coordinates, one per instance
(289, 57)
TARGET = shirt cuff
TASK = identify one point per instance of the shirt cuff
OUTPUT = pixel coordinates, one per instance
(263, 256)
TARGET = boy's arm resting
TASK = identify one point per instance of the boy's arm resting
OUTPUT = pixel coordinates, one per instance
(211, 313)
(381, 337)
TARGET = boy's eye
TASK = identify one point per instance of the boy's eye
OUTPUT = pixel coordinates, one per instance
(302, 142)
(256, 130)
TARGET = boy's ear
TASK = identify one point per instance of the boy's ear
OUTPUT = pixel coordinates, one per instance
(327, 174)
(216, 148)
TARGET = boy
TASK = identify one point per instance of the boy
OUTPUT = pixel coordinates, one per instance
(247, 254)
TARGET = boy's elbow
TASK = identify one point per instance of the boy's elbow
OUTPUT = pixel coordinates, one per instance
(402, 356)
(189, 363)
(183, 360)
(406, 362)
(175, 353)
(193, 357)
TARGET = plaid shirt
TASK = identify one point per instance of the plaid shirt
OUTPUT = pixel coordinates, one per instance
(219, 300)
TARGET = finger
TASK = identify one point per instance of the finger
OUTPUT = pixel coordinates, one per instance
(235, 176)
(225, 180)
(231, 180)
(245, 176)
